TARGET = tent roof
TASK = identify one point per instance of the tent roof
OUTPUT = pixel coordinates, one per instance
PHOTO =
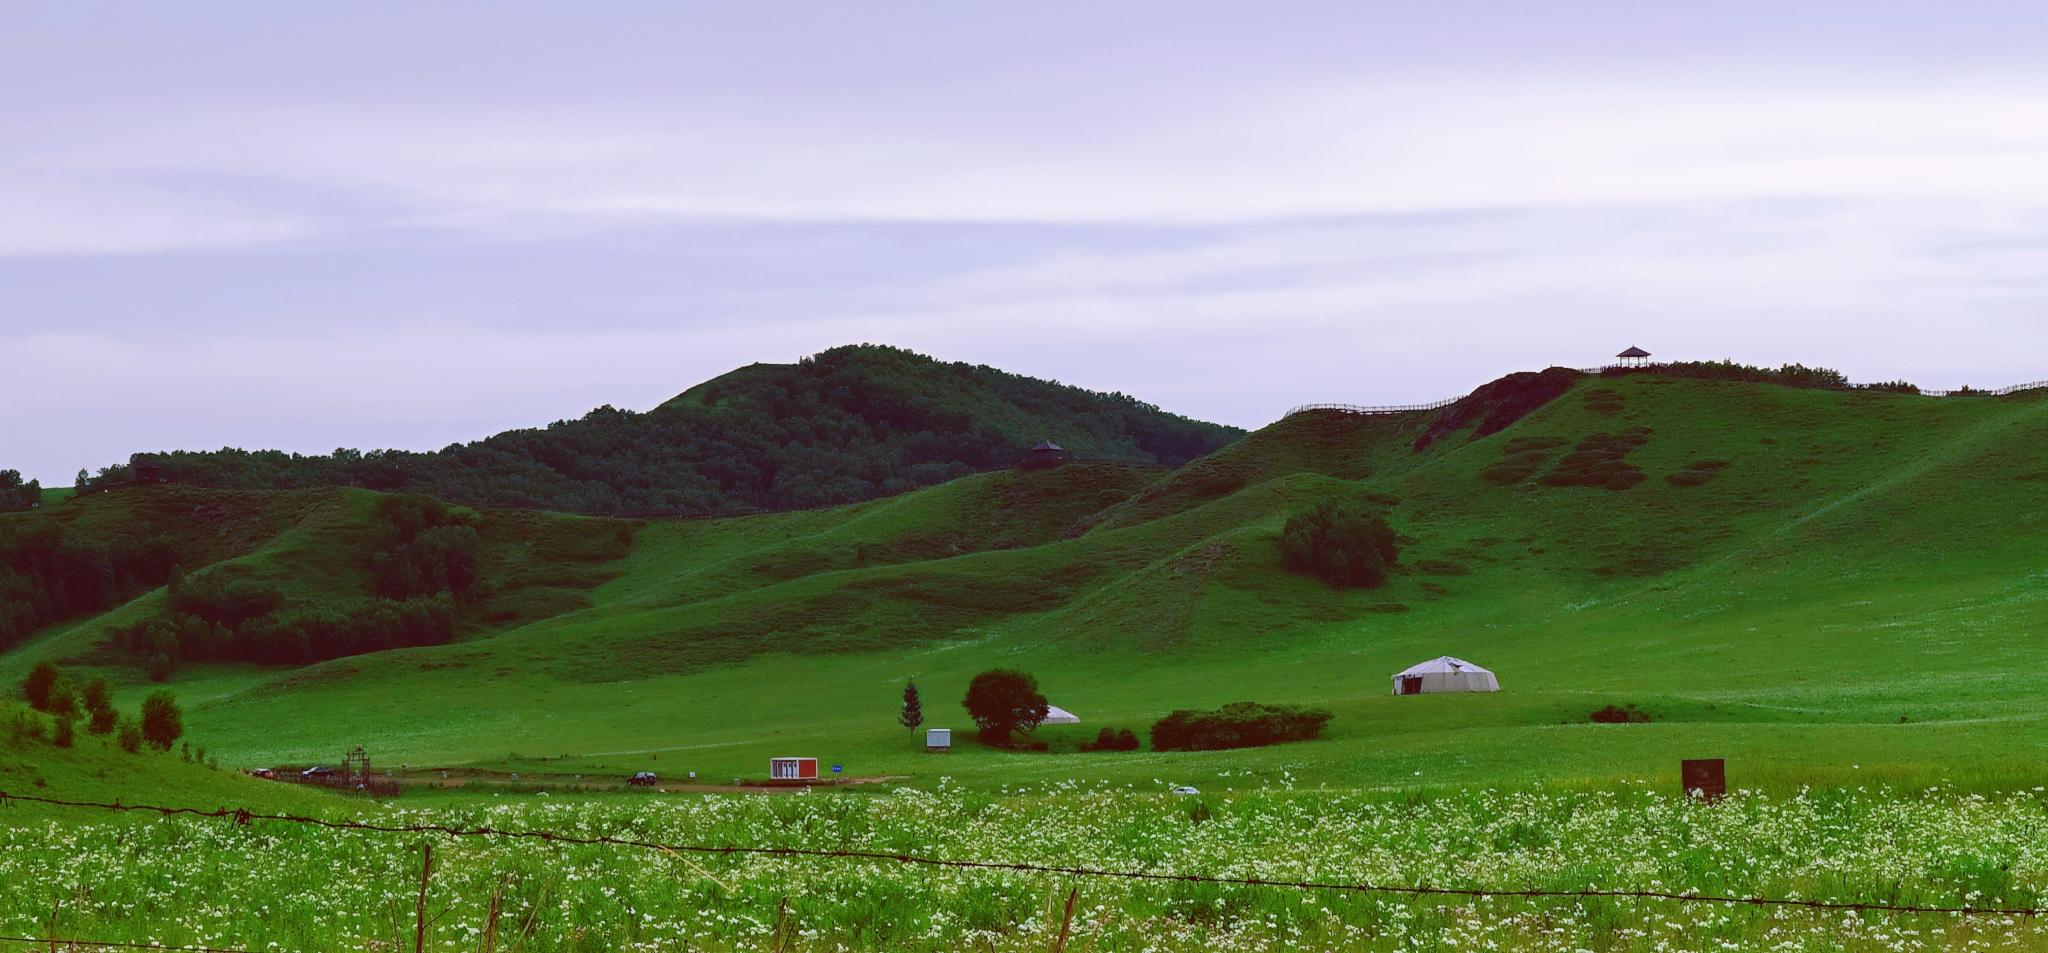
(1055, 715)
(1047, 445)
(1442, 663)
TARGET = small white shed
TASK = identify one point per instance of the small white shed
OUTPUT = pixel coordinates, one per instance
(1055, 715)
(938, 739)
(1444, 674)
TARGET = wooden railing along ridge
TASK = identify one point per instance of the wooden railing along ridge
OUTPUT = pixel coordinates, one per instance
(1377, 409)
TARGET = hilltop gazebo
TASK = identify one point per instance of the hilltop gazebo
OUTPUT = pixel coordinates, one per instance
(1045, 456)
(1633, 357)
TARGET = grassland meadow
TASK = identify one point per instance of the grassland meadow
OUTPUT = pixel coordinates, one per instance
(274, 886)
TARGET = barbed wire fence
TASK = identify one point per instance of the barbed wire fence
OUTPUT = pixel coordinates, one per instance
(242, 816)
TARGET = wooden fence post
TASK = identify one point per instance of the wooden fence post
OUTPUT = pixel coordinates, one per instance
(781, 925)
(491, 919)
(1067, 921)
(419, 931)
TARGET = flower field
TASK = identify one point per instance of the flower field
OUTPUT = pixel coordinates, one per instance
(270, 885)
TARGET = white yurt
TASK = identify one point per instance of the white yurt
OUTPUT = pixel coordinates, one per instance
(1444, 674)
(1055, 715)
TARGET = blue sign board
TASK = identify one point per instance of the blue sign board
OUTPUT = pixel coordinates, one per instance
(838, 768)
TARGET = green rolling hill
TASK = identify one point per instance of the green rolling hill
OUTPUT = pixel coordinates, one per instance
(849, 424)
(1818, 584)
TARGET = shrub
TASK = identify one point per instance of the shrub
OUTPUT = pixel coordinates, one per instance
(97, 698)
(25, 727)
(63, 700)
(162, 722)
(64, 734)
(1003, 702)
(1788, 375)
(41, 680)
(1349, 549)
(224, 598)
(100, 721)
(129, 735)
(1113, 739)
(1237, 725)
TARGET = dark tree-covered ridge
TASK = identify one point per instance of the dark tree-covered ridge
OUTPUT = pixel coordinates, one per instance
(849, 424)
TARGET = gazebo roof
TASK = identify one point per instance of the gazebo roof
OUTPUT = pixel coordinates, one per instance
(1634, 352)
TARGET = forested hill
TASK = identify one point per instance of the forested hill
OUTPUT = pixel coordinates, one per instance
(849, 424)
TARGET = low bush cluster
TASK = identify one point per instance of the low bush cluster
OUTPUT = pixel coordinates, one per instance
(1787, 375)
(298, 635)
(1113, 739)
(423, 561)
(424, 547)
(47, 689)
(1237, 725)
(1347, 548)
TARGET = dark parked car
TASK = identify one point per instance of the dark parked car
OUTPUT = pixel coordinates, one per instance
(644, 779)
(317, 771)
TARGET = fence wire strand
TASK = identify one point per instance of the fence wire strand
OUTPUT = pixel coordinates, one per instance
(243, 816)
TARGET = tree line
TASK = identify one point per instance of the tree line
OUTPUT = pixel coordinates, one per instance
(849, 424)
(16, 495)
(50, 572)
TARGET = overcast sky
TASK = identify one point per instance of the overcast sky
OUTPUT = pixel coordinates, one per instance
(309, 226)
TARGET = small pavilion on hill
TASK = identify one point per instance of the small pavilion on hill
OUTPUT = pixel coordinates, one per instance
(1634, 357)
(1045, 456)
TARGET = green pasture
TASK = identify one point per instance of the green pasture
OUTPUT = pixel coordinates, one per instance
(1821, 587)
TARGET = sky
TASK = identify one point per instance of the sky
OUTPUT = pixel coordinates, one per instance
(313, 226)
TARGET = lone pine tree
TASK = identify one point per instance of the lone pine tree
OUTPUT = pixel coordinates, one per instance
(913, 707)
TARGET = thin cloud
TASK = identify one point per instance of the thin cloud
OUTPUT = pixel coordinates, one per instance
(312, 228)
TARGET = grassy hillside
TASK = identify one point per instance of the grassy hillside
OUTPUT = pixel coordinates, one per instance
(1819, 585)
(849, 424)
(94, 768)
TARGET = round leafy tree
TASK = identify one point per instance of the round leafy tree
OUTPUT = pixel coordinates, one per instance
(1003, 702)
(1349, 549)
(162, 723)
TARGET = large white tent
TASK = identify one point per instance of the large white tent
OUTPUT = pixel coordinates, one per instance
(1055, 715)
(1445, 674)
